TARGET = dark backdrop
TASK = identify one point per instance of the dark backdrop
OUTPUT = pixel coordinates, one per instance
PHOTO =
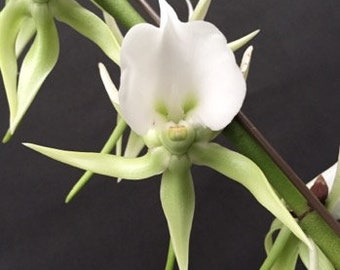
(293, 98)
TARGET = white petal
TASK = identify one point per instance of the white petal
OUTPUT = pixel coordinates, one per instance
(179, 70)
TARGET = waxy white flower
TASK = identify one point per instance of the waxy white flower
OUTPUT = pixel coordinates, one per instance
(180, 85)
(179, 71)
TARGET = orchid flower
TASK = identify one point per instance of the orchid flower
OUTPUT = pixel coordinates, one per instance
(20, 20)
(135, 143)
(180, 86)
(326, 187)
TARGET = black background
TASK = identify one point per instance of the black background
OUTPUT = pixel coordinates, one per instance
(293, 98)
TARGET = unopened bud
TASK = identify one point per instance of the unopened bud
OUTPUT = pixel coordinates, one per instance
(320, 189)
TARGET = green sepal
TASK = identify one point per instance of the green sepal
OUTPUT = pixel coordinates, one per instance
(134, 146)
(11, 18)
(152, 163)
(268, 240)
(25, 34)
(237, 44)
(38, 62)
(323, 263)
(200, 10)
(87, 24)
(283, 253)
(247, 173)
(288, 254)
(108, 147)
(178, 202)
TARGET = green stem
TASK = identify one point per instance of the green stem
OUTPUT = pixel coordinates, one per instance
(278, 247)
(122, 11)
(170, 261)
(313, 224)
(109, 145)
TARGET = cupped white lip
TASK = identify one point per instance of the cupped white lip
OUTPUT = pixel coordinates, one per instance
(173, 65)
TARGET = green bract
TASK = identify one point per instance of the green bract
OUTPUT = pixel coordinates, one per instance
(20, 20)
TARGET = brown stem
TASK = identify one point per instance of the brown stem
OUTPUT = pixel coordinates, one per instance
(312, 201)
(149, 10)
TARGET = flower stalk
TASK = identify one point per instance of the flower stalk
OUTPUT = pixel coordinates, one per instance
(122, 11)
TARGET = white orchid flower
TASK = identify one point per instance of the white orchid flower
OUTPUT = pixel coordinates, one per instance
(202, 84)
(180, 86)
(326, 187)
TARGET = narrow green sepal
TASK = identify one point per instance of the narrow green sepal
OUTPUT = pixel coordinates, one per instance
(247, 173)
(134, 146)
(237, 44)
(152, 163)
(200, 10)
(38, 62)
(322, 262)
(283, 254)
(178, 202)
(11, 18)
(25, 34)
(108, 147)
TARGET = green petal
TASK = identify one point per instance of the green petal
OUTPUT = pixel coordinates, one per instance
(200, 10)
(108, 147)
(323, 262)
(38, 62)
(11, 18)
(235, 45)
(26, 33)
(134, 146)
(288, 257)
(153, 163)
(112, 24)
(247, 173)
(284, 252)
(178, 202)
(88, 24)
(268, 240)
